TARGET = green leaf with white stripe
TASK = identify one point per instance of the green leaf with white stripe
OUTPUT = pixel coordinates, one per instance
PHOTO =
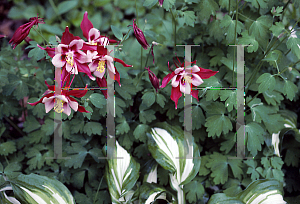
(264, 191)
(36, 189)
(121, 174)
(149, 192)
(174, 151)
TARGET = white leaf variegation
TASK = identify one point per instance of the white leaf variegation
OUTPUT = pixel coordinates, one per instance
(36, 189)
(7, 199)
(121, 175)
(264, 191)
(177, 153)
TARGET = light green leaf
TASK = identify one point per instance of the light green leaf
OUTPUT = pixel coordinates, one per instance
(148, 98)
(259, 3)
(290, 89)
(228, 26)
(122, 127)
(31, 124)
(149, 3)
(218, 54)
(267, 82)
(277, 29)
(189, 18)
(93, 128)
(117, 32)
(98, 100)
(207, 8)
(147, 116)
(140, 132)
(254, 137)
(7, 148)
(260, 27)
(66, 6)
(249, 40)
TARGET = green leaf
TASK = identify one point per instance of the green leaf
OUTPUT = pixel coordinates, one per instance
(273, 97)
(207, 8)
(140, 132)
(260, 27)
(219, 166)
(94, 128)
(160, 99)
(16, 85)
(31, 124)
(290, 89)
(277, 29)
(292, 156)
(48, 127)
(148, 98)
(147, 116)
(267, 82)
(88, 115)
(98, 100)
(254, 137)
(218, 54)
(249, 40)
(122, 127)
(194, 190)
(36, 160)
(189, 18)
(218, 123)
(230, 97)
(78, 155)
(117, 32)
(259, 3)
(7, 148)
(203, 171)
(168, 4)
(149, 3)
(229, 28)
(222, 198)
(66, 6)
(214, 30)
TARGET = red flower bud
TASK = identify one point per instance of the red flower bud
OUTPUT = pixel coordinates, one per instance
(161, 2)
(23, 31)
(140, 36)
(154, 80)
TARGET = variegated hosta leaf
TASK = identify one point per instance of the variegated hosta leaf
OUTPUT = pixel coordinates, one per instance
(149, 192)
(151, 177)
(265, 191)
(36, 189)
(262, 191)
(4, 199)
(121, 174)
(275, 143)
(167, 144)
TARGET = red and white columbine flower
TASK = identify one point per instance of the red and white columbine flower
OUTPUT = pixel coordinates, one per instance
(49, 99)
(183, 79)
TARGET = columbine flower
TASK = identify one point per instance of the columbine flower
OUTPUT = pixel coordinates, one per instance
(183, 79)
(23, 31)
(140, 36)
(49, 99)
(154, 80)
(92, 34)
(72, 58)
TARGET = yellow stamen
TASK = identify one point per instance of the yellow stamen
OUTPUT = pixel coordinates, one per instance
(70, 59)
(58, 107)
(101, 66)
(188, 79)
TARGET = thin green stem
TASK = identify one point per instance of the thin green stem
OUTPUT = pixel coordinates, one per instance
(136, 11)
(174, 22)
(287, 52)
(14, 125)
(236, 20)
(97, 191)
(148, 56)
(246, 17)
(295, 64)
(140, 78)
(253, 97)
(6, 160)
(40, 34)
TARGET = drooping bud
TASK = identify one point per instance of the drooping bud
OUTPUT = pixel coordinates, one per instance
(153, 79)
(140, 36)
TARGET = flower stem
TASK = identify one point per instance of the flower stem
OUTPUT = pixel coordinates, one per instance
(140, 78)
(40, 35)
(14, 125)
(174, 21)
(148, 57)
(97, 191)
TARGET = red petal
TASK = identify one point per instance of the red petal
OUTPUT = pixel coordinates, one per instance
(50, 51)
(67, 37)
(166, 79)
(82, 109)
(117, 77)
(85, 69)
(77, 93)
(51, 88)
(206, 73)
(122, 62)
(40, 101)
(175, 95)
(195, 94)
(86, 25)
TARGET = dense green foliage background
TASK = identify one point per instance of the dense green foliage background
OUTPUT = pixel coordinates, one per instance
(271, 92)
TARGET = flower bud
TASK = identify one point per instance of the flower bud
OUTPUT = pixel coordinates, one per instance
(153, 79)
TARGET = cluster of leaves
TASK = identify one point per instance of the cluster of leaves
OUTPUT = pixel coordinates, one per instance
(271, 85)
